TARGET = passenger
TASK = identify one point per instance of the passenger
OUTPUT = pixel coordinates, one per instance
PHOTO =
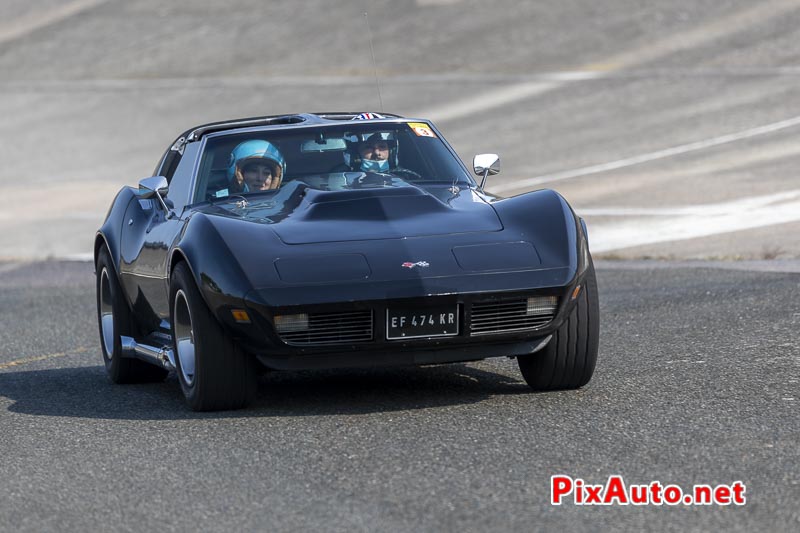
(255, 166)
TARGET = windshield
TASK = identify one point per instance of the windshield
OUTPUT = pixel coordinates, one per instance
(351, 155)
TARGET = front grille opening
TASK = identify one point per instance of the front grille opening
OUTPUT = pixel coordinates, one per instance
(512, 315)
(311, 329)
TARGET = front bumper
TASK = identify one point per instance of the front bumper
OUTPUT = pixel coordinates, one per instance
(261, 339)
(419, 356)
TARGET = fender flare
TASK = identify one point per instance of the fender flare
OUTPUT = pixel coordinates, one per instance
(111, 230)
(214, 268)
(544, 218)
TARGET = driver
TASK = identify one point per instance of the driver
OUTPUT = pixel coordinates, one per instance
(377, 153)
(255, 165)
(374, 154)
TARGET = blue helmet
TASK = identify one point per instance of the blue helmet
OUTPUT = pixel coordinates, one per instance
(256, 149)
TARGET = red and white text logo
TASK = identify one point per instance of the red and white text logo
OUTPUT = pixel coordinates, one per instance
(564, 489)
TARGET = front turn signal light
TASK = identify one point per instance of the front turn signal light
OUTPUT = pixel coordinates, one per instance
(576, 292)
(240, 316)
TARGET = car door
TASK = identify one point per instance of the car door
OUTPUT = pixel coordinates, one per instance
(149, 233)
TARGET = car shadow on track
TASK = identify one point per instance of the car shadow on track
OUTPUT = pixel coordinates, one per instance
(86, 392)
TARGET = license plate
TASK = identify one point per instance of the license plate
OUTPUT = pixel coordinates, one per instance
(417, 323)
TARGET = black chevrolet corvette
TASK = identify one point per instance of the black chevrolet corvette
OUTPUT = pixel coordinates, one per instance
(334, 240)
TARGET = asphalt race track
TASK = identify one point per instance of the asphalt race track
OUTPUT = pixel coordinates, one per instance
(697, 382)
(670, 125)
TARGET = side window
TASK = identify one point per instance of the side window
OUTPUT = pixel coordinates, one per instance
(171, 164)
(181, 183)
(212, 174)
(168, 164)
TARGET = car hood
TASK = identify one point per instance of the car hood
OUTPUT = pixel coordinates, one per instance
(299, 214)
(535, 248)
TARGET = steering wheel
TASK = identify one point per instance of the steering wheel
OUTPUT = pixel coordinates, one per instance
(399, 171)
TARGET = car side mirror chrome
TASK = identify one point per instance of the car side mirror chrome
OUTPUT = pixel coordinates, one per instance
(149, 187)
(485, 165)
(158, 187)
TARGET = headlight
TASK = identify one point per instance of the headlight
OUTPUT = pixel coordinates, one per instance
(541, 305)
(284, 323)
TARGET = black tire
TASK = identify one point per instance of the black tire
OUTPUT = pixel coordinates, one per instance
(223, 377)
(114, 319)
(568, 361)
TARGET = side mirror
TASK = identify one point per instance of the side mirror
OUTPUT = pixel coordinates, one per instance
(485, 165)
(157, 187)
(150, 187)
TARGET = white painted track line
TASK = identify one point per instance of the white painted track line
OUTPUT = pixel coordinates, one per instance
(752, 202)
(691, 39)
(19, 27)
(650, 156)
(250, 83)
(697, 37)
(637, 227)
(489, 100)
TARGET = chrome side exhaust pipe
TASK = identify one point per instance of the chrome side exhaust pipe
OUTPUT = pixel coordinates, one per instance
(161, 356)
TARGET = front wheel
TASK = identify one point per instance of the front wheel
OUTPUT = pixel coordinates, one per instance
(568, 360)
(213, 371)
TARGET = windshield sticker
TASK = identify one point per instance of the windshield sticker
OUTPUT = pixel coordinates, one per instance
(421, 129)
(221, 193)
